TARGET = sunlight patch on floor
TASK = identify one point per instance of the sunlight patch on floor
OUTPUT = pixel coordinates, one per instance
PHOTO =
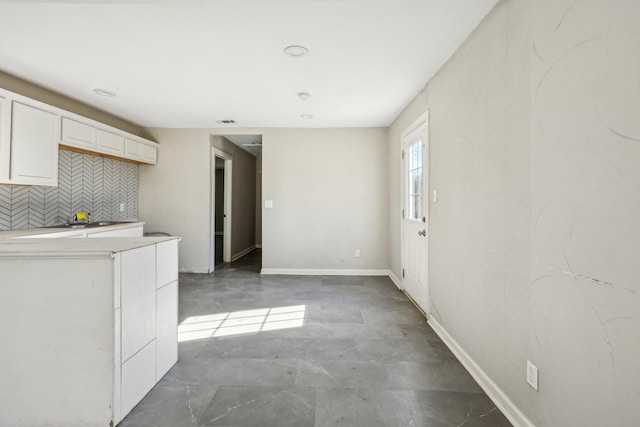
(241, 322)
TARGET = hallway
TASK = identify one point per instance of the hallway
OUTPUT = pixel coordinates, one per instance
(308, 351)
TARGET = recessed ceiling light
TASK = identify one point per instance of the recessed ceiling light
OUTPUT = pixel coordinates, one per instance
(104, 92)
(304, 96)
(296, 51)
(306, 116)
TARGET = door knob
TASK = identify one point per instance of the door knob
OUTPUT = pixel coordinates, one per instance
(422, 233)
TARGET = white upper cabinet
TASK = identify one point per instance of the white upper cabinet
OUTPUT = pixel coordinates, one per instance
(110, 143)
(88, 135)
(31, 132)
(139, 150)
(78, 134)
(28, 142)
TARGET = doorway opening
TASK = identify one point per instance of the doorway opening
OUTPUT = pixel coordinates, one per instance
(236, 221)
(222, 185)
(219, 213)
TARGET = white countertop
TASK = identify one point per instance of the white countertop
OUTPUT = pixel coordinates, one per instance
(64, 231)
(72, 247)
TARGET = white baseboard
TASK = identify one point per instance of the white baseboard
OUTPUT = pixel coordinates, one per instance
(195, 270)
(242, 253)
(502, 401)
(395, 280)
(323, 272)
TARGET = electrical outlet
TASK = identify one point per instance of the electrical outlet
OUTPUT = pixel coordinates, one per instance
(121, 207)
(357, 253)
(532, 375)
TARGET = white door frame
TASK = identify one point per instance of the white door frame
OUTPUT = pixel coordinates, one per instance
(228, 176)
(422, 120)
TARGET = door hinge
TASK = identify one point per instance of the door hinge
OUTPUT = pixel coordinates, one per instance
(402, 154)
(424, 219)
(403, 273)
(402, 213)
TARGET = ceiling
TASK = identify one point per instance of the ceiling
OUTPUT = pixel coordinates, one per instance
(250, 143)
(192, 63)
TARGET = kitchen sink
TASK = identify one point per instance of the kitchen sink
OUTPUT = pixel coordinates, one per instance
(88, 224)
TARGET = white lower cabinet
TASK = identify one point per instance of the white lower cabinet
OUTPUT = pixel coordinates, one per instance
(148, 335)
(117, 365)
(86, 328)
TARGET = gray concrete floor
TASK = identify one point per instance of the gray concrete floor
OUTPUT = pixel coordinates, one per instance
(308, 351)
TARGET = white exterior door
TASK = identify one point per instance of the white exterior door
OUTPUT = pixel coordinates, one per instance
(415, 216)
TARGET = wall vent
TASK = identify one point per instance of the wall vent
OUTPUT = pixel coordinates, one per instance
(227, 122)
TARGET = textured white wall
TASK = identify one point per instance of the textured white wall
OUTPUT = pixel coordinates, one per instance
(585, 87)
(535, 152)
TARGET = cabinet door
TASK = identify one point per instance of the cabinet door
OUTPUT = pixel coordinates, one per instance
(149, 154)
(78, 134)
(136, 150)
(167, 253)
(167, 339)
(138, 299)
(138, 377)
(34, 146)
(110, 143)
(5, 139)
(132, 149)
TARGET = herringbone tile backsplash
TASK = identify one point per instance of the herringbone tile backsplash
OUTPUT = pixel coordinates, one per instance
(85, 183)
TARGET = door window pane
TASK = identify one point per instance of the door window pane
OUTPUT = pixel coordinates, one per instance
(414, 180)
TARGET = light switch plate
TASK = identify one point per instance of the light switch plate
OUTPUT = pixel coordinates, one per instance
(268, 204)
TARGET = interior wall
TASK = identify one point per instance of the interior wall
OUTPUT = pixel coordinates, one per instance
(23, 87)
(175, 194)
(329, 193)
(534, 144)
(329, 188)
(585, 85)
(243, 193)
(479, 243)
